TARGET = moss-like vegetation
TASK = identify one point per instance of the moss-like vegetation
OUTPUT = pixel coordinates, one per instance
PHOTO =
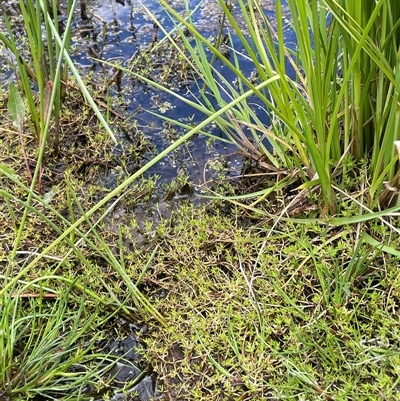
(252, 314)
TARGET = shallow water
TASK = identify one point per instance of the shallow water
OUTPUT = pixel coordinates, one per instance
(117, 31)
(129, 30)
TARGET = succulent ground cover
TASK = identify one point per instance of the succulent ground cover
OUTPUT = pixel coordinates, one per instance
(299, 311)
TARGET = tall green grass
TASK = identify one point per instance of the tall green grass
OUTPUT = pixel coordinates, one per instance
(337, 111)
(43, 63)
(40, 64)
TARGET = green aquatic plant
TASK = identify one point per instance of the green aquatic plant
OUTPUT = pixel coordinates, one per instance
(71, 236)
(42, 65)
(294, 311)
(36, 72)
(330, 98)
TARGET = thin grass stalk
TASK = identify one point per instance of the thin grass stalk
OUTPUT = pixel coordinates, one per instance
(345, 278)
(265, 68)
(32, 24)
(73, 248)
(78, 78)
(102, 249)
(246, 114)
(331, 84)
(67, 33)
(265, 40)
(354, 10)
(50, 341)
(306, 16)
(389, 158)
(43, 141)
(6, 348)
(54, 53)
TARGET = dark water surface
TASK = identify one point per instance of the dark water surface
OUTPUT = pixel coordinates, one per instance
(118, 32)
(129, 31)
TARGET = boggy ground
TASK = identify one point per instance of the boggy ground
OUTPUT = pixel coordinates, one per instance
(252, 308)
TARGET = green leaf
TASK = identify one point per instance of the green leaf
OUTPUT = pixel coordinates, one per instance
(48, 196)
(16, 106)
(8, 172)
(385, 248)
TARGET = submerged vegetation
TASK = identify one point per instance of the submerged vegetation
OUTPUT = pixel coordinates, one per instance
(285, 285)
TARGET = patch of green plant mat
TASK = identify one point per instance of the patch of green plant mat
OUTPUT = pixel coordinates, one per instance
(299, 312)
